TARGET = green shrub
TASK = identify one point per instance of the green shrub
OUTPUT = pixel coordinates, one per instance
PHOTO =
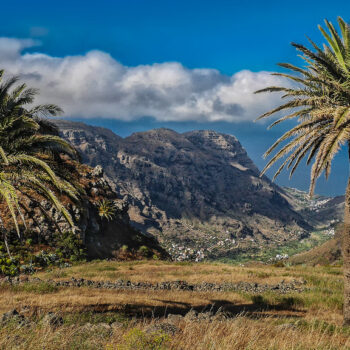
(44, 259)
(69, 246)
(8, 267)
(144, 251)
(136, 339)
(27, 268)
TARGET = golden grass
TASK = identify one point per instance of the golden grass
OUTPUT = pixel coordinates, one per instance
(239, 333)
(85, 299)
(155, 271)
(313, 318)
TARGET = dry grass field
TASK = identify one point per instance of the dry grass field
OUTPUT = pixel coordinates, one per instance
(100, 318)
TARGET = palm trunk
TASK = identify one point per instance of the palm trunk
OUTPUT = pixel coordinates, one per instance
(346, 253)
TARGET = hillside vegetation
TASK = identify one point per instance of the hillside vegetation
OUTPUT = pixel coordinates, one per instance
(327, 253)
(177, 306)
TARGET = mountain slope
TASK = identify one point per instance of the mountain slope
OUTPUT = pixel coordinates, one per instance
(320, 211)
(198, 192)
(328, 253)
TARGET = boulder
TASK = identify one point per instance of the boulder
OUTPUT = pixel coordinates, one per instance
(53, 320)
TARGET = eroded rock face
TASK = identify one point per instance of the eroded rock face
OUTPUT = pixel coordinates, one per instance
(102, 238)
(198, 192)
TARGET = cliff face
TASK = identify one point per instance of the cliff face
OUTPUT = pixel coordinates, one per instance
(198, 192)
(102, 238)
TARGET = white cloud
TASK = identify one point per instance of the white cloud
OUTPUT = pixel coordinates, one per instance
(96, 85)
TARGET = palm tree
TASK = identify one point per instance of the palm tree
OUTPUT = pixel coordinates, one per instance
(31, 164)
(319, 101)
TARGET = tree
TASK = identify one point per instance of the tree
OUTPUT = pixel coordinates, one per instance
(31, 163)
(319, 101)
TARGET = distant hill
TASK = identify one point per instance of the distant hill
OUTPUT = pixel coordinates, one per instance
(319, 211)
(199, 193)
(328, 253)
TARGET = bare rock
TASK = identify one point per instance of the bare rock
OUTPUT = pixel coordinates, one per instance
(14, 317)
(286, 326)
(52, 320)
(191, 315)
(98, 171)
(163, 327)
(172, 318)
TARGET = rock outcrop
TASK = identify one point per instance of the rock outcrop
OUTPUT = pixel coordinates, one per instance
(282, 287)
(199, 193)
(102, 237)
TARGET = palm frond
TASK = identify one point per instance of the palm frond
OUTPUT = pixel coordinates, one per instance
(321, 103)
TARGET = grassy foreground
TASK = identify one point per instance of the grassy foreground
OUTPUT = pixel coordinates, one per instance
(308, 320)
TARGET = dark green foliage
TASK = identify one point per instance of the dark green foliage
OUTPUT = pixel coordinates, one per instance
(68, 249)
(144, 251)
(44, 259)
(8, 266)
(69, 246)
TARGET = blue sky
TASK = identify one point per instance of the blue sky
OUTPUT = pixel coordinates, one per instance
(226, 35)
(158, 42)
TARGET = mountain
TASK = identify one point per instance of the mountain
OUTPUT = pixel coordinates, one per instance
(198, 192)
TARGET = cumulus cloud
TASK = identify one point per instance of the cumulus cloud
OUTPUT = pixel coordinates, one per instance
(97, 85)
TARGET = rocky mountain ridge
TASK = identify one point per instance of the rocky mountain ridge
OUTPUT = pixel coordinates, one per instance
(198, 192)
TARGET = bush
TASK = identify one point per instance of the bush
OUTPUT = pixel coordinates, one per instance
(44, 259)
(69, 246)
(136, 339)
(27, 269)
(144, 251)
(8, 267)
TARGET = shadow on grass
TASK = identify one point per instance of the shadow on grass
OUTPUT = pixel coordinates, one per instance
(259, 308)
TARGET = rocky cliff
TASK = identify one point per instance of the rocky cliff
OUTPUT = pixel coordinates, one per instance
(199, 193)
(112, 237)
